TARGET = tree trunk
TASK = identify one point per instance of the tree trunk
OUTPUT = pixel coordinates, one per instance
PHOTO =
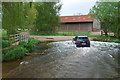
(106, 34)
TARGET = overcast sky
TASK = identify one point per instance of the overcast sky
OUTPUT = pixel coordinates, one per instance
(74, 7)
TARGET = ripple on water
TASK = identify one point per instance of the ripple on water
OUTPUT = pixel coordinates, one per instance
(66, 61)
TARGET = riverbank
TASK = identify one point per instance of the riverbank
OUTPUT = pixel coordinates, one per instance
(40, 50)
(19, 51)
(55, 38)
(66, 38)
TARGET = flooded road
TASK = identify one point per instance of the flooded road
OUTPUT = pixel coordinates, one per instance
(64, 60)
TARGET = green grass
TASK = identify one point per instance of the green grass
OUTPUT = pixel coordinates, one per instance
(64, 33)
(98, 36)
(41, 34)
(115, 40)
(106, 39)
(74, 33)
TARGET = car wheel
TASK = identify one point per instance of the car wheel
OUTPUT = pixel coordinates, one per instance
(77, 46)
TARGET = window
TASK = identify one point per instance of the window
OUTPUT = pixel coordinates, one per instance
(83, 38)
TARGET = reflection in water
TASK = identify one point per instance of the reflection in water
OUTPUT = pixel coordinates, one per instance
(7, 66)
(66, 61)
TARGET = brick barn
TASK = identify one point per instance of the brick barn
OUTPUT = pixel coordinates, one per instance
(79, 23)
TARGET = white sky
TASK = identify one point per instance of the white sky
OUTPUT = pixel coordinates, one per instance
(74, 7)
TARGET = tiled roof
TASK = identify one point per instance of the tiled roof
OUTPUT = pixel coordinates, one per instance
(81, 18)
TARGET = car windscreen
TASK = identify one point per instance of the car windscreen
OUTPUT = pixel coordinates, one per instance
(83, 38)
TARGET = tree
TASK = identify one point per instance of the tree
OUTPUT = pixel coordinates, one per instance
(29, 14)
(17, 15)
(108, 14)
(47, 18)
(12, 16)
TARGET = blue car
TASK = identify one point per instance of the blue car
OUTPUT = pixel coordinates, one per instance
(82, 41)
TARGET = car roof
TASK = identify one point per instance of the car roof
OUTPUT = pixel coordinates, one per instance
(82, 36)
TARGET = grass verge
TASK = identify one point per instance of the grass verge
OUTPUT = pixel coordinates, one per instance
(63, 33)
(107, 39)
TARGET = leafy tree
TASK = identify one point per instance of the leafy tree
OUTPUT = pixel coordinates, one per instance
(17, 15)
(44, 15)
(12, 16)
(29, 14)
(47, 18)
(108, 14)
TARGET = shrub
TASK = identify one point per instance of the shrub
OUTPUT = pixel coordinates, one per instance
(14, 53)
(34, 41)
(5, 43)
(30, 45)
(23, 44)
(19, 51)
(5, 51)
(4, 34)
(9, 56)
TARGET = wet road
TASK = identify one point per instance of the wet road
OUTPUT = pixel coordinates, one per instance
(64, 60)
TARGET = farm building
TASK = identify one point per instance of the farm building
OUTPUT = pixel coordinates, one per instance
(79, 23)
